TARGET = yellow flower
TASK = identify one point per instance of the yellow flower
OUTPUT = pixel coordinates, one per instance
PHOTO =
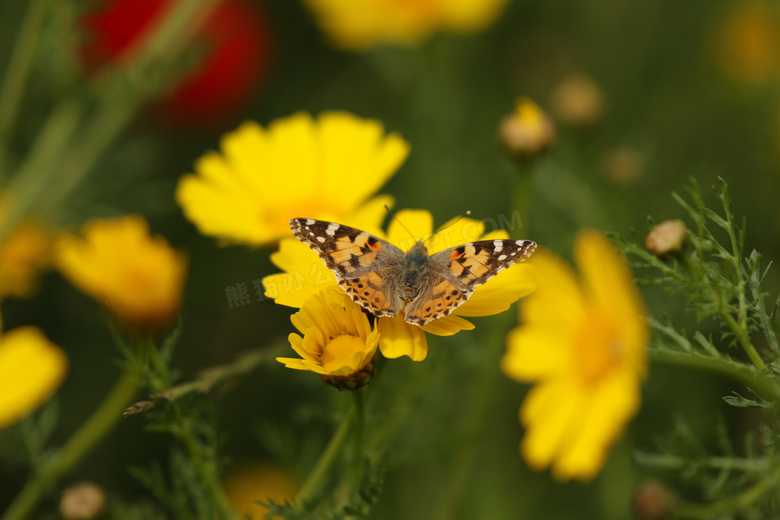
(138, 278)
(23, 255)
(31, 370)
(325, 168)
(247, 485)
(337, 342)
(361, 25)
(583, 343)
(306, 275)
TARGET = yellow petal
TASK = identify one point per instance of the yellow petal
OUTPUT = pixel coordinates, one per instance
(455, 232)
(608, 280)
(31, 370)
(605, 413)
(547, 414)
(397, 338)
(409, 227)
(535, 353)
(447, 325)
(323, 168)
(370, 215)
(302, 364)
(305, 276)
(557, 302)
(501, 291)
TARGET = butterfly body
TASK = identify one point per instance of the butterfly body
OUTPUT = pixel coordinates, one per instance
(386, 281)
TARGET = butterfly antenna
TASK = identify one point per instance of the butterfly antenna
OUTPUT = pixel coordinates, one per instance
(394, 217)
(452, 223)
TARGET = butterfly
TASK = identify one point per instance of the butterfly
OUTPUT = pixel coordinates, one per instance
(385, 280)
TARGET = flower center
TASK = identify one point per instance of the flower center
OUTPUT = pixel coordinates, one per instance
(599, 349)
(340, 352)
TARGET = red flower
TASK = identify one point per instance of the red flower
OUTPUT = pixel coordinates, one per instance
(238, 59)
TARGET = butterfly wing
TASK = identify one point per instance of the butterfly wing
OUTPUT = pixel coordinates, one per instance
(364, 264)
(459, 270)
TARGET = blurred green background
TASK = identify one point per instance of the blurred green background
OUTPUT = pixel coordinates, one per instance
(684, 96)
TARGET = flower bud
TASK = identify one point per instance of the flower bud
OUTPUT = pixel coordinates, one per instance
(83, 501)
(527, 132)
(578, 101)
(654, 501)
(666, 238)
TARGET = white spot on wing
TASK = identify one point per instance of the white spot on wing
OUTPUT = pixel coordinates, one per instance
(498, 245)
(331, 229)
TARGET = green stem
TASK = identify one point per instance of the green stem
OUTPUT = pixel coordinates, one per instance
(521, 197)
(18, 71)
(741, 334)
(359, 400)
(60, 156)
(729, 505)
(207, 474)
(765, 386)
(322, 469)
(86, 438)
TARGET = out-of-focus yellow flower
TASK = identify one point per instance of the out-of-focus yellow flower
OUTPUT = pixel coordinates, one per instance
(527, 132)
(337, 342)
(582, 343)
(307, 275)
(325, 168)
(139, 278)
(247, 485)
(25, 253)
(746, 42)
(31, 370)
(358, 26)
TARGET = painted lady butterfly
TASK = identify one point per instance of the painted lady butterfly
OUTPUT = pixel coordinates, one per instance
(385, 280)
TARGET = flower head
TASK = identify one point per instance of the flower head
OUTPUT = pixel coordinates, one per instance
(361, 25)
(306, 275)
(325, 168)
(527, 132)
(31, 370)
(582, 344)
(138, 278)
(337, 342)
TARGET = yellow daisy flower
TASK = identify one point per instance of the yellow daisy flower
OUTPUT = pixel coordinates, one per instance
(582, 343)
(307, 275)
(361, 25)
(138, 278)
(337, 342)
(325, 168)
(31, 370)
